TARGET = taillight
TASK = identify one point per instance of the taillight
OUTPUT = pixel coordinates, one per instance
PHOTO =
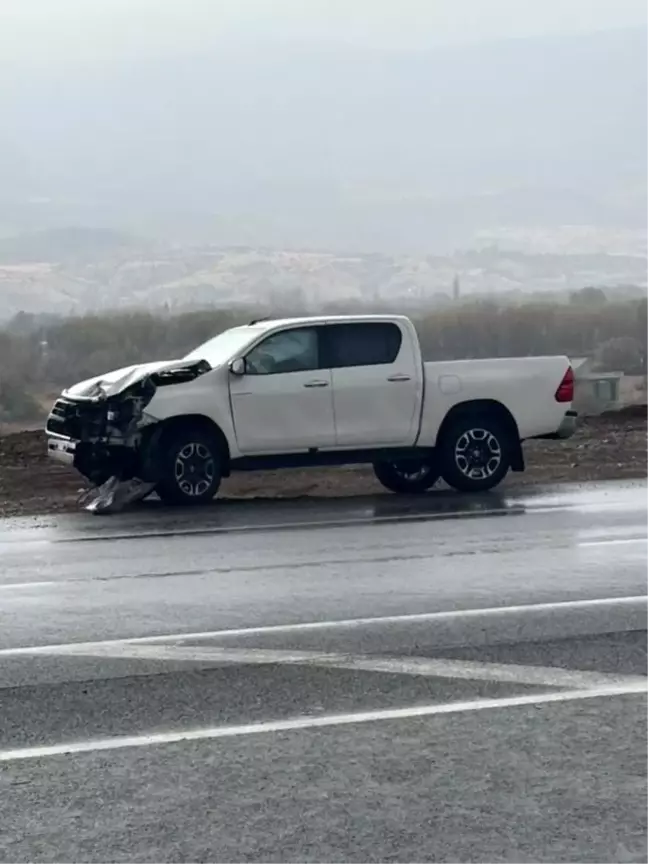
(565, 391)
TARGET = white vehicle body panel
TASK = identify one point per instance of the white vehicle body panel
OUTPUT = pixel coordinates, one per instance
(524, 385)
(283, 413)
(380, 406)
(112, 383)
(207, 396)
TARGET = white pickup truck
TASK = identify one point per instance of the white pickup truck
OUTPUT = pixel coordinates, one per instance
(310, 392)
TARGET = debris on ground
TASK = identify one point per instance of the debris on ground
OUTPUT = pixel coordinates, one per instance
(611, 446)
(113, 495)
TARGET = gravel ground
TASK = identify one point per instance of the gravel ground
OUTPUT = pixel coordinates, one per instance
(609, 447)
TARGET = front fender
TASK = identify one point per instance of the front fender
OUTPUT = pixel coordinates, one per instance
(207, 396)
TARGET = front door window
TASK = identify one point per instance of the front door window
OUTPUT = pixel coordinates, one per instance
(288, 351)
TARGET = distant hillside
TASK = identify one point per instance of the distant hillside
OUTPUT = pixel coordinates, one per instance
(353, 149)
(63, 244)
(232, 277)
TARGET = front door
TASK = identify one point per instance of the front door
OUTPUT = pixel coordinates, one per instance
(284, 401)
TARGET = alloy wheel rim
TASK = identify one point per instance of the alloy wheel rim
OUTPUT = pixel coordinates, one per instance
(194, 469)
(410, 471)
(478, 454)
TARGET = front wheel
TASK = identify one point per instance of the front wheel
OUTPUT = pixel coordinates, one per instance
(475, 454)
(190, 469)
(406, 476)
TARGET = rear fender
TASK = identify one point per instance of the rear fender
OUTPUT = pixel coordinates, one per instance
(493, 409)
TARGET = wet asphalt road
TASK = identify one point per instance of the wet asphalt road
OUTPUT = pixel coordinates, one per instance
(440, 679)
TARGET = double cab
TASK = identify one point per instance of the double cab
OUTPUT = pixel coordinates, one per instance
(312, 391)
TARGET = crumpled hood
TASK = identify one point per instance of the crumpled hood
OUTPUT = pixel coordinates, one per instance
(112, 383)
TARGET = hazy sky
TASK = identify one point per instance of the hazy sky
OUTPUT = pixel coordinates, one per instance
(54, 32)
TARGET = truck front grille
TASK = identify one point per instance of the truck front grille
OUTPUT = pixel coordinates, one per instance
(76, 420)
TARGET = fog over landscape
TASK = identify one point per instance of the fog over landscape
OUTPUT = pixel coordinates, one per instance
(142, 137)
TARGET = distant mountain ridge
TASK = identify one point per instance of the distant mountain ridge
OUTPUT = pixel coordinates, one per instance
(153, 277)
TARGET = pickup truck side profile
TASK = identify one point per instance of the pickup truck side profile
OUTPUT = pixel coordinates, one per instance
(310, 392)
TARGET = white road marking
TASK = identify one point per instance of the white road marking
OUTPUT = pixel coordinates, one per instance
(635, 529)
(345, 623)
(424, 666)
(305, 722)
(17, 586)
(617, 541)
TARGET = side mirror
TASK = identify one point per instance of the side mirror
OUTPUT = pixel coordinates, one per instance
(237, 367)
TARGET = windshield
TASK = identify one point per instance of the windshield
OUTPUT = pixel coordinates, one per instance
(223, 347)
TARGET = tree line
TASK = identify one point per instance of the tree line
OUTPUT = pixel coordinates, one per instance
(39, 358)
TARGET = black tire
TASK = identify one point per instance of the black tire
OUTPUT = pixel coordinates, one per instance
(190, 468)
(475, 453)
(407, 476)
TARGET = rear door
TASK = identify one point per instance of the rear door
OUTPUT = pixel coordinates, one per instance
(284, 401)
(376, 383)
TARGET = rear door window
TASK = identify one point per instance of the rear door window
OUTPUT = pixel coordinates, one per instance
(362, 344)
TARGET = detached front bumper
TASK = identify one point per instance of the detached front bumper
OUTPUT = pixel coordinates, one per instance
(111, 494)
(96, 461)
(93, 437)
(62, 450)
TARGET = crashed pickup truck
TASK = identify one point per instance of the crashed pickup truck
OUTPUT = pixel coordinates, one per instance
(311, 392)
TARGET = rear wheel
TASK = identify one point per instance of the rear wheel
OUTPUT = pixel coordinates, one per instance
(190, 469)
(475, 454)
(407, 476)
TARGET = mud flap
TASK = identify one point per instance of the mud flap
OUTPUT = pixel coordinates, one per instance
(114, 495)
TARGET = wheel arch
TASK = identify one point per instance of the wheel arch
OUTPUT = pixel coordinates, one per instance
(493, 409)
(165, 429)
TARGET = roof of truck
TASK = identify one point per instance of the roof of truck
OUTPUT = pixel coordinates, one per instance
(271, 323)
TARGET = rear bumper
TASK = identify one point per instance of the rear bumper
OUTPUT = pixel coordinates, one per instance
(568, 425)
(565, 430)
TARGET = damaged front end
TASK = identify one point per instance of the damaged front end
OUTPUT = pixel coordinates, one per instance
(102, 429)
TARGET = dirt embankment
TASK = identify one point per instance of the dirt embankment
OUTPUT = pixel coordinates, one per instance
(611, 446)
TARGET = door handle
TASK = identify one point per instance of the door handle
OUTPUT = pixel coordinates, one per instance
(316, 384)
(399, 377)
